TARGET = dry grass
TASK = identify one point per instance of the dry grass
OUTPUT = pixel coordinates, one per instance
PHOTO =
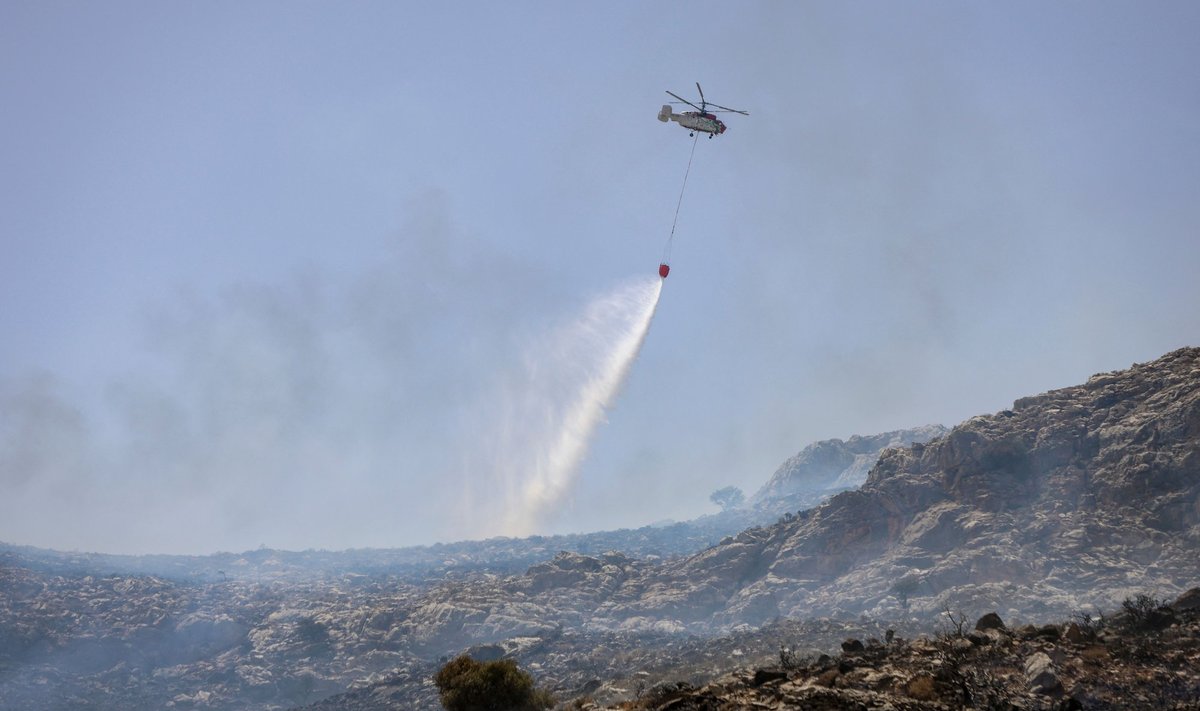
(921, 687)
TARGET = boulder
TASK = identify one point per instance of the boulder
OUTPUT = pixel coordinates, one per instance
(1190, 600)
(1039, 674)
(990, 621)
(764, 676)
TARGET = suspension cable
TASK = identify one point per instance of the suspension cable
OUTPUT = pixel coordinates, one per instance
(671, 239)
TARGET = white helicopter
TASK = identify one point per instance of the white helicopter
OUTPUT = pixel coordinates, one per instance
(702, 119)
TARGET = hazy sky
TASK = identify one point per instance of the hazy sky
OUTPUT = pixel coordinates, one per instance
(268, 270)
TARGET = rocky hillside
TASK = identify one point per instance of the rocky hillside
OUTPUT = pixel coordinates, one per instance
(269, 629)
(1145, 657)
(1077, 497)
(1072, 500)
(835, 464)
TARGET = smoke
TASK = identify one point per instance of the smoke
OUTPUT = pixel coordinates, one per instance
(327, 413)
(328, 408)
(550, 409)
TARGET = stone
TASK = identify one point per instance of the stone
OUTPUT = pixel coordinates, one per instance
(1039, 674)
(1074, 634)
(990, 621)
(764, 676)
(486, 652)
(1190, 600)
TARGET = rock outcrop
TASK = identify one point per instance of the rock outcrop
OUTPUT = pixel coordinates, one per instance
(834, 464)
(1072, 499)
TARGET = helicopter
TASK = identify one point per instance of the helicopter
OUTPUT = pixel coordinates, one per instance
(702, 119)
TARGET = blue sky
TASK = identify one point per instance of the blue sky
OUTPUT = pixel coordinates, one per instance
(265, 263)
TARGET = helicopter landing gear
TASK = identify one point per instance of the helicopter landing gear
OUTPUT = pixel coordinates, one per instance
(691, 135)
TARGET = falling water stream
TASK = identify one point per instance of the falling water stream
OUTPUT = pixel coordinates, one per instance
(573, 376)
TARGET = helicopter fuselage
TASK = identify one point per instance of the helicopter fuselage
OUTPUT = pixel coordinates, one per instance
(693, 120)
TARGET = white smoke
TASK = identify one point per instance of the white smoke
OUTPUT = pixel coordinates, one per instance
(551, 409)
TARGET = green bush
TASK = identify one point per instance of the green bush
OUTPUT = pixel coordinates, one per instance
(468, 685)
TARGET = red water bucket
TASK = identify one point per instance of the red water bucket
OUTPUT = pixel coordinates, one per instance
(664, 270)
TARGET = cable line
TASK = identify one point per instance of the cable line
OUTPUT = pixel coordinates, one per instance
(666, 260)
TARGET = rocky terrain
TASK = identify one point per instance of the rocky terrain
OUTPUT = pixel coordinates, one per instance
(1068, 503)
(1145, 657)
(414, 564)
(802, 483)
(833, 465)
(1073, 499)
(276, 629)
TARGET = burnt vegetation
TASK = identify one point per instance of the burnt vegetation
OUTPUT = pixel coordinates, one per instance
(1127, 660)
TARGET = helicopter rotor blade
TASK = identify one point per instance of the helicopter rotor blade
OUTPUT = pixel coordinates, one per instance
(703, 103)
(732, 111)
(677, 96)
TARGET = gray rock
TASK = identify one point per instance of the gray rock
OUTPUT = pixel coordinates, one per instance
(1039, 673)
(837, 464)
(764, 676)
(990, 621)
(1190, 600)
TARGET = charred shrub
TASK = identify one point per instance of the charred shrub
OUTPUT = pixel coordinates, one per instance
(1146, 612)
(1141, 606)
(664, 692)
(958, 624)
(1089, 626)
(467, 685)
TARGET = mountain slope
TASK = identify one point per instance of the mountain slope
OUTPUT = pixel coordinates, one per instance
(836, 464)
(1079, 496)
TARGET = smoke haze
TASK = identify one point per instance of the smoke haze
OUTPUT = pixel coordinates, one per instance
(276, 276)
(302, 414)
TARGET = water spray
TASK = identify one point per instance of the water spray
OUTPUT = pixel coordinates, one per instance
(575, 376)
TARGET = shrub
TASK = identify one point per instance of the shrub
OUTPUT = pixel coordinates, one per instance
(728, 498)
(1146, 612)
(467, 685)
(958, 624)
(921, 687)
(1088, 625)
(1141, 606)
(905, 586)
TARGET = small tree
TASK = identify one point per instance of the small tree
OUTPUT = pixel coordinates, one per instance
(958, 622)
(467, 685)
(905, 586)
(728, 498)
